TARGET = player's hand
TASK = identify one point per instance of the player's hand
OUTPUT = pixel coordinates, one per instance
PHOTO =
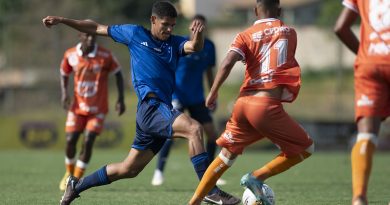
(211, 100)
(197, 27)
(65, 101)
(120, 107)
(51, 21)
(214, 108)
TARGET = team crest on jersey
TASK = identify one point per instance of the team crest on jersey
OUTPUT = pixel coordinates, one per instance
(96, 68)
(379, 17)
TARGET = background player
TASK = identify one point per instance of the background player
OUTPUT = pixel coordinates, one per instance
(91, 65)
(154, 54)
(189, 95)
(272, 76)
(372, 82)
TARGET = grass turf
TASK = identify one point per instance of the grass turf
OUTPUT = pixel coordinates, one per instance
(32, 177)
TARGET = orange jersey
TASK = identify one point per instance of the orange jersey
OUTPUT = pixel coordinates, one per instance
(374, 30)
(90, 78)
(268, 49)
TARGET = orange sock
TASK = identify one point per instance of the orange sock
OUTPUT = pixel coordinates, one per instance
(362, 154)
(69, 165)
(80, 169)
(210, 177)
(78, 172)
(70, 168)
(278, 165)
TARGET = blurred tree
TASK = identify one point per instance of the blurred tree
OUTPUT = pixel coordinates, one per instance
(329, 13)
(9, 8)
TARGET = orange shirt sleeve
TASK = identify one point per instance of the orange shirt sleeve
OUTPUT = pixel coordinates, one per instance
(239, 46)
(65, 68)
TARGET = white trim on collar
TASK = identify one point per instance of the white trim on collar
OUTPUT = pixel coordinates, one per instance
(265, 20)
(91, 54)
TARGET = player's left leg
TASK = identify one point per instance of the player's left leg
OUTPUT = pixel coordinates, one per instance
(362, 155)
(130, 167)
(372, 99)
(85, 154)
(215, 170)
(274, 123)
(202, 114)
(93, 128)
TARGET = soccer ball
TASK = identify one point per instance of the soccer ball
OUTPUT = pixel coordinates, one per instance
(248, 198)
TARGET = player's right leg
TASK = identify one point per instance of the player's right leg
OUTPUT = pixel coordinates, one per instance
(70, 160)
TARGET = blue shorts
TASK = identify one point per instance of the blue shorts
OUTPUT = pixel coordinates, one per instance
(198, 112)
(154, 121)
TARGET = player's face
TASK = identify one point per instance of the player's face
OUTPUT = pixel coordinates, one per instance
(87, 40)
(162, 28)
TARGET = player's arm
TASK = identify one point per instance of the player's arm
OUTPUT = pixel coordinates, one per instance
(226, 66)
(197, 41)
(210, 77)
(210, 80)
(120, 106)
(85, 26)
(343, 29)
(65, 100)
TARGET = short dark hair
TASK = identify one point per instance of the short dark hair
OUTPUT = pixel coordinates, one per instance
(199, 17)
(164, 9)
(269, 3)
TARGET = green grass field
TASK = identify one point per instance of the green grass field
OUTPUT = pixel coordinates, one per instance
(31, 177)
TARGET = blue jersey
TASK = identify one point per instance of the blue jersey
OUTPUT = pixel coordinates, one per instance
(189, 75)
(153, 62)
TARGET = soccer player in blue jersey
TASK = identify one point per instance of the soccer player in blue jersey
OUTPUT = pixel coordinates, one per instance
(154, 55)
(189, 95)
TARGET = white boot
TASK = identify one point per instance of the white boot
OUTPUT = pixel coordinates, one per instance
(158, 178)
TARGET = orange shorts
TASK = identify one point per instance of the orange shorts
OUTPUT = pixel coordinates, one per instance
(372, 90)
(255, 118)
(77, 123)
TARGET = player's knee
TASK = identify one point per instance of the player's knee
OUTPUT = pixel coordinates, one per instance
(308, 152)
(310, 149)
(373, 138)
(89, 140)
(131, 173)
(227, 157)
(195, 130)
(71, 139)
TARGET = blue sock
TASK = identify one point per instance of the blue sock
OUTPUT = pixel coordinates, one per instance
(200, 163)
(97, 178)
(210, 147)
(163, 156)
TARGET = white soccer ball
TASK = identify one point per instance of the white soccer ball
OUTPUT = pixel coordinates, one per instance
(248, 198)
